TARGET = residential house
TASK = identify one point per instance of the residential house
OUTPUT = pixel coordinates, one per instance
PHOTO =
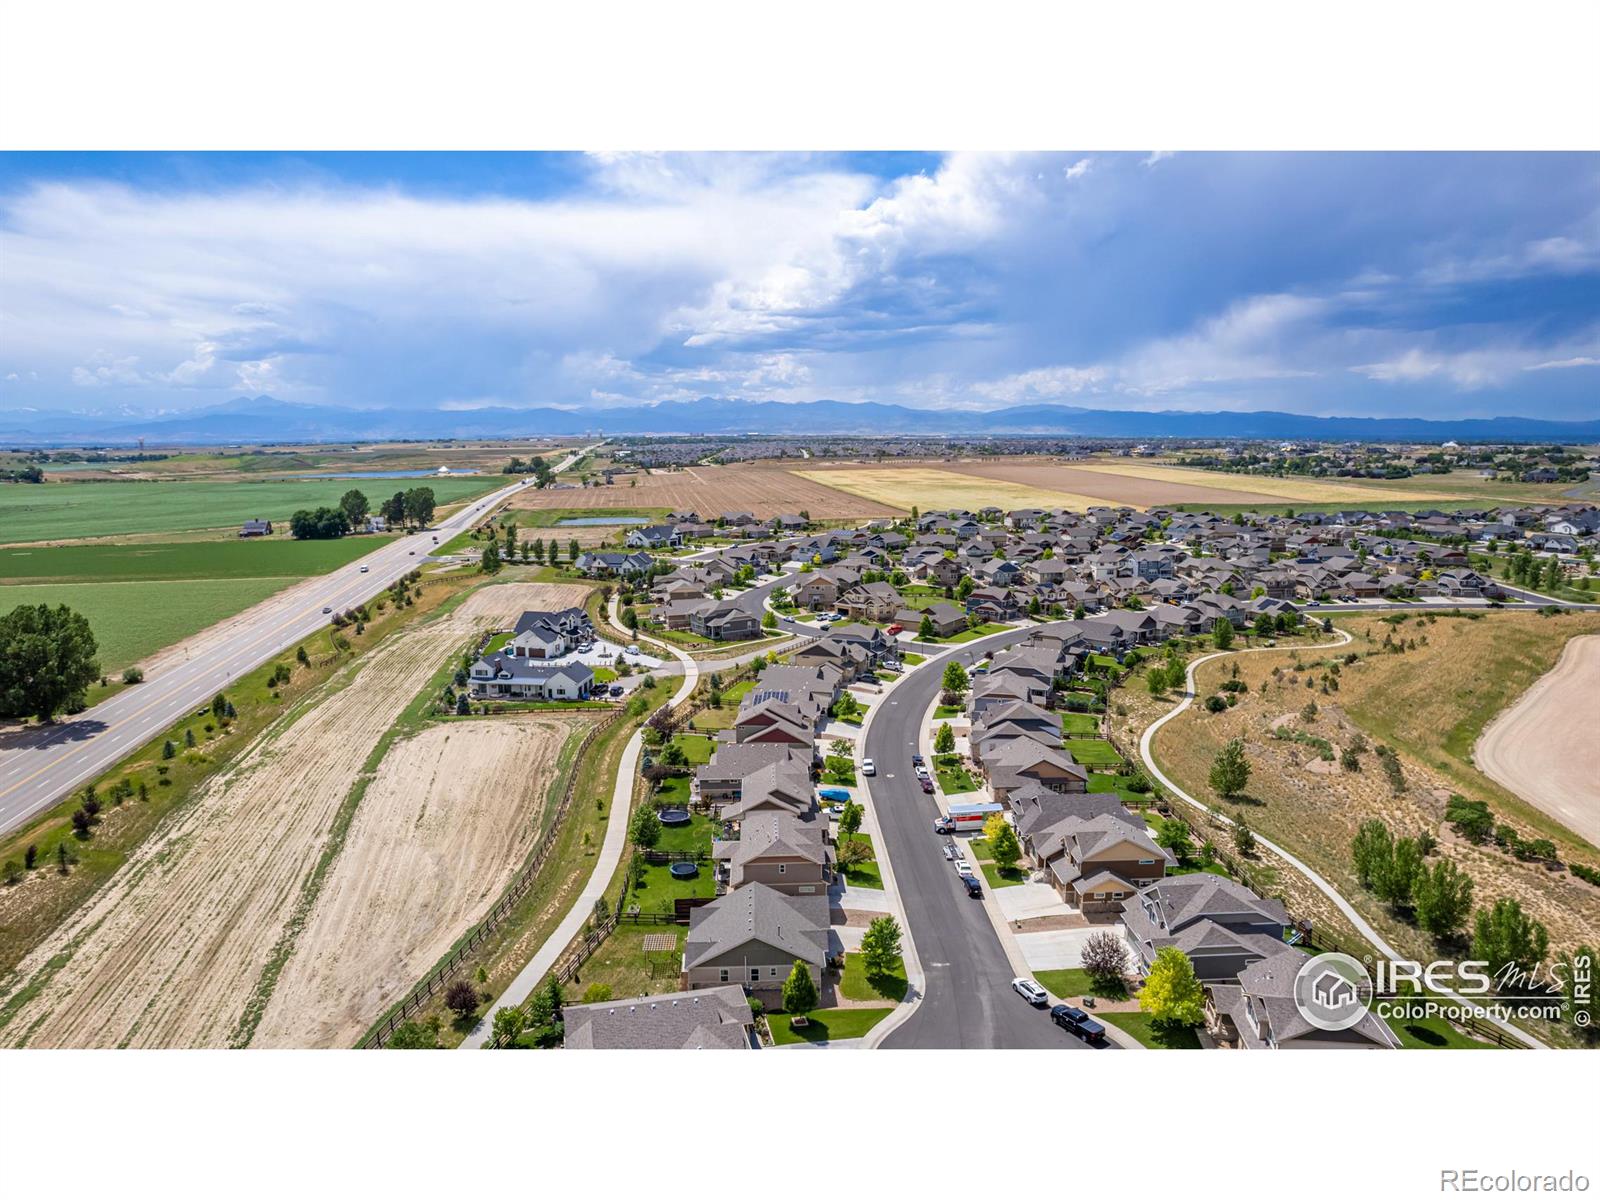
(1257, 1011)
(784, 851)
(754, 936)
(716, 1018)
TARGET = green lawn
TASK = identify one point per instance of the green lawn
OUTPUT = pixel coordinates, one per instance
(1009, 877)
(826, 1024)
(1080, 723)
(39, 512)
(246, 558)
(864, 875)
(1104, 660)
(970, 635)
(695, 747)
(1092, 752)
(1434, 1033)
(672, 792)
(948, 710)
(858, 985)
(696, 835)
(912, 660)
(1149, 1034)
(133, 620)
(658, 889)
(1072, 983)
(952, 775)
(839, 771)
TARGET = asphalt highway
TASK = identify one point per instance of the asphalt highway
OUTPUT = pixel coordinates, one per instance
(40, 765)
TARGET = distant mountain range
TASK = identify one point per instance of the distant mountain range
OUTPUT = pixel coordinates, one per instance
(264, 419)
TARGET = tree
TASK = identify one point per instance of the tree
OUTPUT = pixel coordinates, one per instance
(880, 946)
(1511, 942)
(1174, 836)
(169, 749)
(508, 1026)
(944, 742)
(47, 660)
(1244, 840)
(1442, 898)
(769, 620)
(1230, 770)
(413, 1035)
(544, 1006)
(461, 998)
(1222, 633)
(1171, 993)
(219, 706)
(955, 679)
(799, 990)
(850, 819)
(1004, 847)
(1371, 852)
(489, 563)
(925, 630)
(853, 853)
(319, 524)
(645, 828)
(1105, 957)
(354, 506)
(30, 856)
(630, 618)
(573, 550)
(419, 505)
(1397, 875)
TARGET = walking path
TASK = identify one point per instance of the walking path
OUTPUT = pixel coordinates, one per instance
(605, 865)
(1322, 885)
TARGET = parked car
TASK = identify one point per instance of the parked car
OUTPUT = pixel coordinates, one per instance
(894, 629)
(868, 767)
(616, 689)
(1031, 992)
(824, 624)
(949, 853)
(917, 760)
(974, 888)
(1076, 1021)
(927, 785)
(963, 867)
(633, 651)
(893, 664)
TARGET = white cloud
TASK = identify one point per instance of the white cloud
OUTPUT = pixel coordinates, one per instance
(1562, 364)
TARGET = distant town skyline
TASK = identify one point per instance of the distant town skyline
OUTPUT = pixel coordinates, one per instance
(1422, 285)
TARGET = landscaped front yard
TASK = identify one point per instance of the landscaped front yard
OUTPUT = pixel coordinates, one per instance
(856, 984)
(1151, 1035)
(998, 878)
(826, 1025)
(952, 774)
(1072, 983)
(969, 635)
(866, 874)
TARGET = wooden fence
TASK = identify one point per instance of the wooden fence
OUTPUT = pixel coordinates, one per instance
(435, 980)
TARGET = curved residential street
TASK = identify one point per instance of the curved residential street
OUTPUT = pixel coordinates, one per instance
(966, 1000)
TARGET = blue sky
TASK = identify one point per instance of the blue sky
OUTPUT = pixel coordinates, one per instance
(1441, 285)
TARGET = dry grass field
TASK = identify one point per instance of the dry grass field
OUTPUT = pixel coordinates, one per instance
(764, 489)
(902, 487)
(1137, 491)
(176, 947)
(1254, 487)
(1428, 703)
(449, 816)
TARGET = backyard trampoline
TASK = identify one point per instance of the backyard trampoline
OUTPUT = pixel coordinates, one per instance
(673, 816)
(683, 870)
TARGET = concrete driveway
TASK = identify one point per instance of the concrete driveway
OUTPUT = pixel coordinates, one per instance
(1054, 949)
(1028, 900)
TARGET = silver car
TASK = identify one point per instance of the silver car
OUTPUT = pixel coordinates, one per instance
(1031, 992)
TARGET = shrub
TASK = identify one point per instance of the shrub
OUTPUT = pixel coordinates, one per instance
(1215, 704)
(133, 675)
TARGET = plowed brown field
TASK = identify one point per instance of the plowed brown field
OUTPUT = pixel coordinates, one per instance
(450, 815)
(763, 489)
(171, 950)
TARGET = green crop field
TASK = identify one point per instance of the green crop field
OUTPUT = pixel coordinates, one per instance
(246, 558)
(134, 620)
(40, 512)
